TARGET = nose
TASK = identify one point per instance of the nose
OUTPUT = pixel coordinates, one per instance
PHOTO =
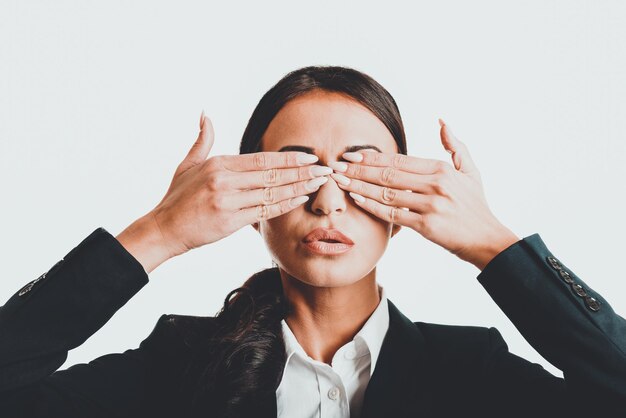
(329, 198)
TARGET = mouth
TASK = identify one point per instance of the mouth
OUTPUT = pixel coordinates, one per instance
(325, 241)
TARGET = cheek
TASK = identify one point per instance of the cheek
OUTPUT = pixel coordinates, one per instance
(374, 237)
(278, 232)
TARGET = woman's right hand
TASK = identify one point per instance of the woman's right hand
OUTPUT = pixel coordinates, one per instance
(209, 199)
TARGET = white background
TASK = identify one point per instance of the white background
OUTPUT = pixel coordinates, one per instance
(99, 102)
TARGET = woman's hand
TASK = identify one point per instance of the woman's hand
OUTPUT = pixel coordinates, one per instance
(446, 204)
(209, 199)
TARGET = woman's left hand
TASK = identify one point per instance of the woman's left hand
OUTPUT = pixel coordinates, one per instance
(446, 204)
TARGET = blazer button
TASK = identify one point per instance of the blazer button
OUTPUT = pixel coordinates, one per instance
(567, 278)
(578, 289)
(30, 285)
(26, 289)
(556, 264)
(592, 303)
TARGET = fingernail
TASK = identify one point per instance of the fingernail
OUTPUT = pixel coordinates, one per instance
(297, 201)
(355, 157)
(320, 170)
(337, 166)
(357, 197)
(441, 122)
(202, 119)
(341, 179)
(306, 158)
(315, 183)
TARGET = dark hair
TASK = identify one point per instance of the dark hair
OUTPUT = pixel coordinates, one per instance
(247, 354)
(347, 81)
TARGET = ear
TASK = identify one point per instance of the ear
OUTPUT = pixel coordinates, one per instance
(395, 229)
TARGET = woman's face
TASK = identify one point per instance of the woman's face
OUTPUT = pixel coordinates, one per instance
(329, 124)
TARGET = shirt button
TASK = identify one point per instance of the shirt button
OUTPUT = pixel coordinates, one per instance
(350, 354)
(333, 393)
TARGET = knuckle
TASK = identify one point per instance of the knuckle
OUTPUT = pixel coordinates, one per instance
(441, 186)
(262, 212)
(436, 205)
(375, 157)
(260, 160)
(214, 162)
(393, 214)
(268, 195)
(270, 176)
(295, 189)
(304, 173)
(430, 205)
(399, 160)
(357, 170)
(427, 227)
(282, 207)
(358, 186)
(389, 195)
(216, 203)
(291, 160)
(388, 175)
(418, 223)
(215, 182)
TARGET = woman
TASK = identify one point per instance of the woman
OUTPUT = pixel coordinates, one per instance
(315, 336)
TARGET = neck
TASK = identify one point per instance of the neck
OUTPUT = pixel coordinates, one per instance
(325, 318)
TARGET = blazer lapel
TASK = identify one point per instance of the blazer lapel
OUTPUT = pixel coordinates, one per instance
(400, 378)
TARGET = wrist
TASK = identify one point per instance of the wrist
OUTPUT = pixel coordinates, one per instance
(144, 241)
(499, 241)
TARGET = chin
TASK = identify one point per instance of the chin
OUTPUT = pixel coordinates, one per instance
(322, 273)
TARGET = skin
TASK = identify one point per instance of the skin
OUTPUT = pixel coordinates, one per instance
(209, 199)
(332, 296)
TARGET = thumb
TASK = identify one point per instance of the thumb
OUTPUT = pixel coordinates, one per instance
(460, 154)
(200, 149)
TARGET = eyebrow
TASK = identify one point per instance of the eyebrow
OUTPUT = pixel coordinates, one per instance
(349, 148)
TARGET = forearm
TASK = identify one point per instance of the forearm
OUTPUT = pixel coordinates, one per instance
(501, 238)
(577, 332)
(64, 307)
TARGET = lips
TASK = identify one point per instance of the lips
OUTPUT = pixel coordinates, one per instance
(327, 235)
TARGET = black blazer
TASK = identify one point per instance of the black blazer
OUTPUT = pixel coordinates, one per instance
(423, 370)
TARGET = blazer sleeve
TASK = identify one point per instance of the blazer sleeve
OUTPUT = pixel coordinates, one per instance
(568, 323)
(57, 312)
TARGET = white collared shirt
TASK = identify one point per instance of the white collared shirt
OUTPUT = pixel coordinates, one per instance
(312, 389)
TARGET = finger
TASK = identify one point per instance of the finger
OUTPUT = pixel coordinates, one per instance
(388, 213)
(276, 176)
(200, 149)
(271, 195)
(267, 159)
(255, 214)
(460, 154)
(416, 202)
(400, 161)
(388, 176)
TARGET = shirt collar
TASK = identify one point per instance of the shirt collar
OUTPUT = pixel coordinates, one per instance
(372, 333)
